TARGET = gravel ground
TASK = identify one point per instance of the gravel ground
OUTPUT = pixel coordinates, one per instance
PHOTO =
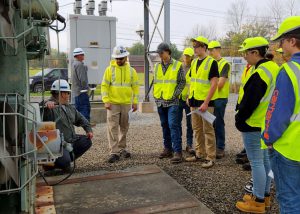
(218, 187)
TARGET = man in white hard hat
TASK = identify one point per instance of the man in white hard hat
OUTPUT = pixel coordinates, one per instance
(120, 93)
(80, 82)
(66, 116)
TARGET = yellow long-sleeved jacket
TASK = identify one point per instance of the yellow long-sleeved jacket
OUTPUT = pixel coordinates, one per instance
(120, 84)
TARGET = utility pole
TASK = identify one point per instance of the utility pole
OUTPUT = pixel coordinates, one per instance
(146, 50)
(167, 21)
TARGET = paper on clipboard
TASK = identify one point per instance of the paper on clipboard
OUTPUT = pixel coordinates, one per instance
(205, 115)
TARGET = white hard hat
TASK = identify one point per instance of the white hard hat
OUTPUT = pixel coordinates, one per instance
(60, 85)
(78, 51)
(119, 52)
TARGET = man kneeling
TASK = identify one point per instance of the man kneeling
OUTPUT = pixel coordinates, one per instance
(66, 116)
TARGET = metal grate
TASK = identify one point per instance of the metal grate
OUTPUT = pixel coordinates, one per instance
(17, 119)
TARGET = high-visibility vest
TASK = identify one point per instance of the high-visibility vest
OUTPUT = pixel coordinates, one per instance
(268, 72)
(185, 91)
(288, 144)
(200, 84)
(224, 91)
(120, 84)
(164, 84)
(248, 71)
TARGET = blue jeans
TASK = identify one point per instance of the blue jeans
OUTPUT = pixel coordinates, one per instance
(260, 164)
(219, 112)
(189, 130)
(287, 181)
(171, 127)
(82, 104)
(80, 146)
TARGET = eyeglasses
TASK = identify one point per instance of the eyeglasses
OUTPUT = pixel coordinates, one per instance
(120, 59)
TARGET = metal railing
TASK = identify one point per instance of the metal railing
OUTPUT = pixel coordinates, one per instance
(18, 165)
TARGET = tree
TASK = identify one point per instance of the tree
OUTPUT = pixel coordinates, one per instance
(236, 15)
(176, 54)
(232, 40)
(292, 7)
(276, 11)
(136, 49)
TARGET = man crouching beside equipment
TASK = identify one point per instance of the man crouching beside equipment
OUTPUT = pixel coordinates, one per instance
(66, 116)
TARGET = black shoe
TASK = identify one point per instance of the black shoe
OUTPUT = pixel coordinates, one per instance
(242, 160)
(241, 154)
(125, 154)
(247, 167)
(248, 188)
(113, 158)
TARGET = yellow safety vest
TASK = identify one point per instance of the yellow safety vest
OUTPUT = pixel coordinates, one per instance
(224, 92)
(200, 84)
(288, 144)
(268, 72)
(244, 78)
(185, 91)
(164, 84)
(120, 84)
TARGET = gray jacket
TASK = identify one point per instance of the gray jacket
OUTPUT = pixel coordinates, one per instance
(66, 117)
(79, 77)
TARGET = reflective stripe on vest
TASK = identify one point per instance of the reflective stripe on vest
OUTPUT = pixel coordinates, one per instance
(224, 91)
(268, 72)
(272, 85)
(165, 82)
(113, 78)
(200, 84)
(288, 144)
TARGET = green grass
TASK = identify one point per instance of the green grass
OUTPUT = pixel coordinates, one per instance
(33, 71)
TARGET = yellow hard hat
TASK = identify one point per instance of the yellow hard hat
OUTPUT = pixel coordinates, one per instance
(254, 42)
(201, 39)
(188, 51)
(289, 24)
(214, 44)
(244, 42)
(279, 50)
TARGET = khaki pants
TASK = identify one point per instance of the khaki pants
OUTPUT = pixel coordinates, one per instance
(117, 127)
(205, 136)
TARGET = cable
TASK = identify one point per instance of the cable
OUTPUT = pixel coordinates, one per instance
(65, 178)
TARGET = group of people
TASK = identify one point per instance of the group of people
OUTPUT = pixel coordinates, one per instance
(267, 113)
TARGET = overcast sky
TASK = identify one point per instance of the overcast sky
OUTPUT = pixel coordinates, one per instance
(185, 15)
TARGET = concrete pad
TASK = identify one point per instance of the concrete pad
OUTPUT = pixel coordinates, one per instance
(138, 190)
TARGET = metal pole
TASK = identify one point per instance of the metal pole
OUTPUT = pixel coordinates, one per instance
(146, 49)
(167, 21)
(57, 36)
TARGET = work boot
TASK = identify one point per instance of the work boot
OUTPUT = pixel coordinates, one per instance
(166, 154)
(241, 154)
(246, 166)
(177, 158)
(113, 158)
(220, 154)
(194, 158)
(242, 160)
(247, 197)
(252, 205)
(125, 154)
(207, 164)
(190, 150)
